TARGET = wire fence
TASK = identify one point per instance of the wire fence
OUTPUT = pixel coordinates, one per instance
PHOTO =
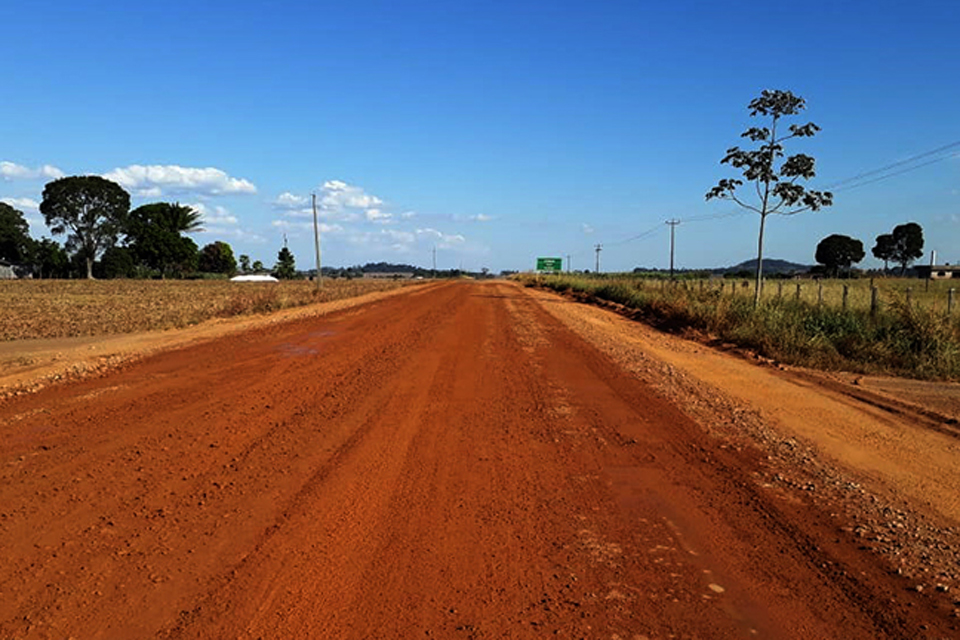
(872, 294)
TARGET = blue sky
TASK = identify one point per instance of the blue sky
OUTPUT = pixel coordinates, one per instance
(494, 131)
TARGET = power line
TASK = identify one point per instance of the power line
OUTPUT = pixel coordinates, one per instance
(853, 182)
(855, 185)
(894, 165)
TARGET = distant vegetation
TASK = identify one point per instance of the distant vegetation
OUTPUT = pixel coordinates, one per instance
(912, 337)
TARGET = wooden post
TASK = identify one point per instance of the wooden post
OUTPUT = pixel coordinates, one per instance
(798, 292)
(845, 292)
(819, 292)
(873, 301)
(779, 290)
(950, 301)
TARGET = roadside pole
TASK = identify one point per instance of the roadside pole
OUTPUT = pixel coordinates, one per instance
(316, 242)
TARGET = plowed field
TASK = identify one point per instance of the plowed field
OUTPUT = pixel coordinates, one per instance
(450, 462)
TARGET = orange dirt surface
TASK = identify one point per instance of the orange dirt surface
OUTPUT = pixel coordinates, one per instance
(469, 460)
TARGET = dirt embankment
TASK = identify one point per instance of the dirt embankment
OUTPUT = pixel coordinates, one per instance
(464, 461)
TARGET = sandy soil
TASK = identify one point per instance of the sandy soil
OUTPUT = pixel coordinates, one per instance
(469, 460)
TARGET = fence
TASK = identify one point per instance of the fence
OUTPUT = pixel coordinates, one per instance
(873, 294)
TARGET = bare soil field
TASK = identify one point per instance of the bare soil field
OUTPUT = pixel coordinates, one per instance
(36, 309)
(469, 460)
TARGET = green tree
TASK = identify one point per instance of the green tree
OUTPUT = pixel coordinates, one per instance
(154, 235)
(116, 262)
(286, 265)
(49, 259)
(907, 244)
(774, 178)
(15, 242)
(92, 209)
(257, 266)
(217, 257)
(838, 252)
(244, 263)
(884, 249)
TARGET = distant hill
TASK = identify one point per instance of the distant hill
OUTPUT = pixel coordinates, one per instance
(771, 266)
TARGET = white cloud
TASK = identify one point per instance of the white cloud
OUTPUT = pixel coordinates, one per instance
(378, 216)
(287, 200)
(288, 225)
(586, 229)
(153, 181)
(442, 240)
(23, 204)
(336, 194)
(14, 171)
(232, 232)
(480, 217)
(336, 200)
(216, 215)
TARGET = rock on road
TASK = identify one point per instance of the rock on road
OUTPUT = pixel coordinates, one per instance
(450, 462)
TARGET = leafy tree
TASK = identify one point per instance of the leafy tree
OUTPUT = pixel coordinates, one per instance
(50, 259)
(257, 266)
(907, 244)
(775, 179)
(116, 262)
(15, 241)
(837, 252)
(244, 263)
(217, 257)
(154, 235)
(91, 208)
(884, 249)
(286, 267)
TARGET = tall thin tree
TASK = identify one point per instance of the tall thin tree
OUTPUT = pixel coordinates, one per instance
(774, 178)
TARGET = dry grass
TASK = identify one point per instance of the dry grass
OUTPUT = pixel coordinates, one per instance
(917, 339)
(65, 308)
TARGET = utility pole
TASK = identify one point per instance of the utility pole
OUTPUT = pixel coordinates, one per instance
(598, 249)
(316, 242)
(673, 225)
(434, 261)
(568, 263)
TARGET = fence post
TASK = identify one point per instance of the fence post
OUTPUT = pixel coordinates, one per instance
(873, 301)
(845, 291)
(798, 292)
(819, 292)
(779, 290)
(701, 286)
(721, 286)
(950, 301)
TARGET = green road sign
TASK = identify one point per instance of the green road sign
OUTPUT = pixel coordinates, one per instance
(550, 264)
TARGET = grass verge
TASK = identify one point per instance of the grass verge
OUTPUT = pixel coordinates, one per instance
(901, 339)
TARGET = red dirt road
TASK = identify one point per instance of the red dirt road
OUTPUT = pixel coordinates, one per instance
(452, 462)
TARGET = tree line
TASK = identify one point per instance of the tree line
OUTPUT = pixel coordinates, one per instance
(104, 238)
(839, 253)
